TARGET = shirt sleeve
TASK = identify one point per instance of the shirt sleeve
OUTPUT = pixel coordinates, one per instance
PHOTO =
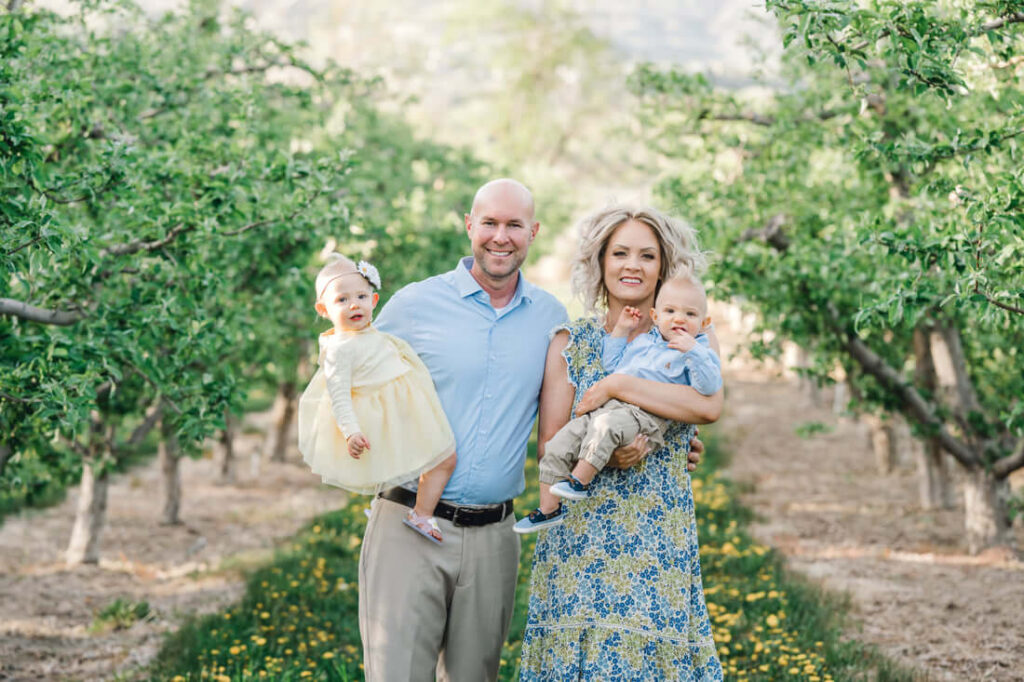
(612, 350)
(338, 372)
(395, 316)
(704, 366)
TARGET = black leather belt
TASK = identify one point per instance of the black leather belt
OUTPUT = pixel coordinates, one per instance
(460, 516)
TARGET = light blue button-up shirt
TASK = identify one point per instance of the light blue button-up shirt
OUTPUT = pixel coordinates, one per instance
(487, 368)
(649, 357)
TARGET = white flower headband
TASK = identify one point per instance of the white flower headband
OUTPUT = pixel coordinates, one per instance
(369, 272)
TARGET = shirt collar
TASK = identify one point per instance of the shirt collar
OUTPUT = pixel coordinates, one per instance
(467, 284)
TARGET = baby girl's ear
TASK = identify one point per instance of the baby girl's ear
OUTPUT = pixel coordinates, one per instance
(376, 298)
(654, 315)
(321, 309)
(706, 322)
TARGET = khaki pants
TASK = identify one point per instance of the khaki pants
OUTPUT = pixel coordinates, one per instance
(427, 609)
(594, 436)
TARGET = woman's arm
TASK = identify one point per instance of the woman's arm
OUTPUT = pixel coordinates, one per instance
(671, 401)
(556, 393)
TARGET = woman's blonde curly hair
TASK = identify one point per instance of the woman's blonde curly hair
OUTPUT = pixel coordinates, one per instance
(680, 251)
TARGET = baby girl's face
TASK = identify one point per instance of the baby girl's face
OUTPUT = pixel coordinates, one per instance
(349, 302)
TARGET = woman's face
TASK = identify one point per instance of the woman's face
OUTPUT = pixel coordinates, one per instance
(632, 262)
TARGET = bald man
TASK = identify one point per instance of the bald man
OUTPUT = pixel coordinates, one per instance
(482, 330)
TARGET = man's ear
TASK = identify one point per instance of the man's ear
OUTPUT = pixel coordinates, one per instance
(534, 229)
(469, 222)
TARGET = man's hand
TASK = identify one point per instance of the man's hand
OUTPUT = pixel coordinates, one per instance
(683, 342)
(357, 443)
(596, 396)
(696, 450)
(628, 322)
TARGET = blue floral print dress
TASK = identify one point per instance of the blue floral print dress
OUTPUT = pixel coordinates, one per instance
(615, 592)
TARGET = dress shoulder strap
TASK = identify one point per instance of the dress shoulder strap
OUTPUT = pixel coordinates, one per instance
(583, 353)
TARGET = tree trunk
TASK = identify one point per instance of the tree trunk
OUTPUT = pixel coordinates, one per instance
(227, 447)
(840, 398)
(5, 454)
(170, 457)
(934, 485)
(807, 385)
(934, 482)
(90, 518)
(284, 412)
(985, 513)
(883, 442)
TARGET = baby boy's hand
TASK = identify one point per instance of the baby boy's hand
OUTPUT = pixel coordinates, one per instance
(683, 342)
(357, 443)
(629, 320)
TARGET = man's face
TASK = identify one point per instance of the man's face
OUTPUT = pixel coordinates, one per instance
(348, 302)
(500, 229)
(680, 308)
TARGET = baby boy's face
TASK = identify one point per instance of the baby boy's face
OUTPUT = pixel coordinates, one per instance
(681, 307)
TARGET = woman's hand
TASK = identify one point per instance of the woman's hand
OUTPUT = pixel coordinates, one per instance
(696, 450)
(631, 454)
(596, 396)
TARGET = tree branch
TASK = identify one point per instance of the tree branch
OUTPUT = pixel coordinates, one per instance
(268, 221)
(60, 318)
(1015, 18)
(771, 233)
(152, 416)
(1004, 306)
(23, 246)
(913, 403)
(151, 382)
(16, 399)
(141, 245)
(748, 116)
(49, 194)
(1007, 465)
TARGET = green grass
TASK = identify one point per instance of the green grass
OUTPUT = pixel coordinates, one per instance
(119, 614)
(298, 619)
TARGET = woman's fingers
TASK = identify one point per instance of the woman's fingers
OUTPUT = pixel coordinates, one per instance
(696, 450)
(630, 454)
(594, 398)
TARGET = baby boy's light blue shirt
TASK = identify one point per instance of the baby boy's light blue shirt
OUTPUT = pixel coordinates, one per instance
(649, 357)
(487, 368)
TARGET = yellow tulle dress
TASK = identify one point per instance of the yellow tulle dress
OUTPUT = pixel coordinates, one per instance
(372, 383)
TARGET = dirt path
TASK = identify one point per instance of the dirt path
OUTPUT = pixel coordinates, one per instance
(46, 609)
(914, 590)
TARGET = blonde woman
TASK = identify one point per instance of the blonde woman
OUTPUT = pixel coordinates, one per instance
(616, 590)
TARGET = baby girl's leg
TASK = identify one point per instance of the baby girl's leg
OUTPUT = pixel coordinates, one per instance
(431, 485)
